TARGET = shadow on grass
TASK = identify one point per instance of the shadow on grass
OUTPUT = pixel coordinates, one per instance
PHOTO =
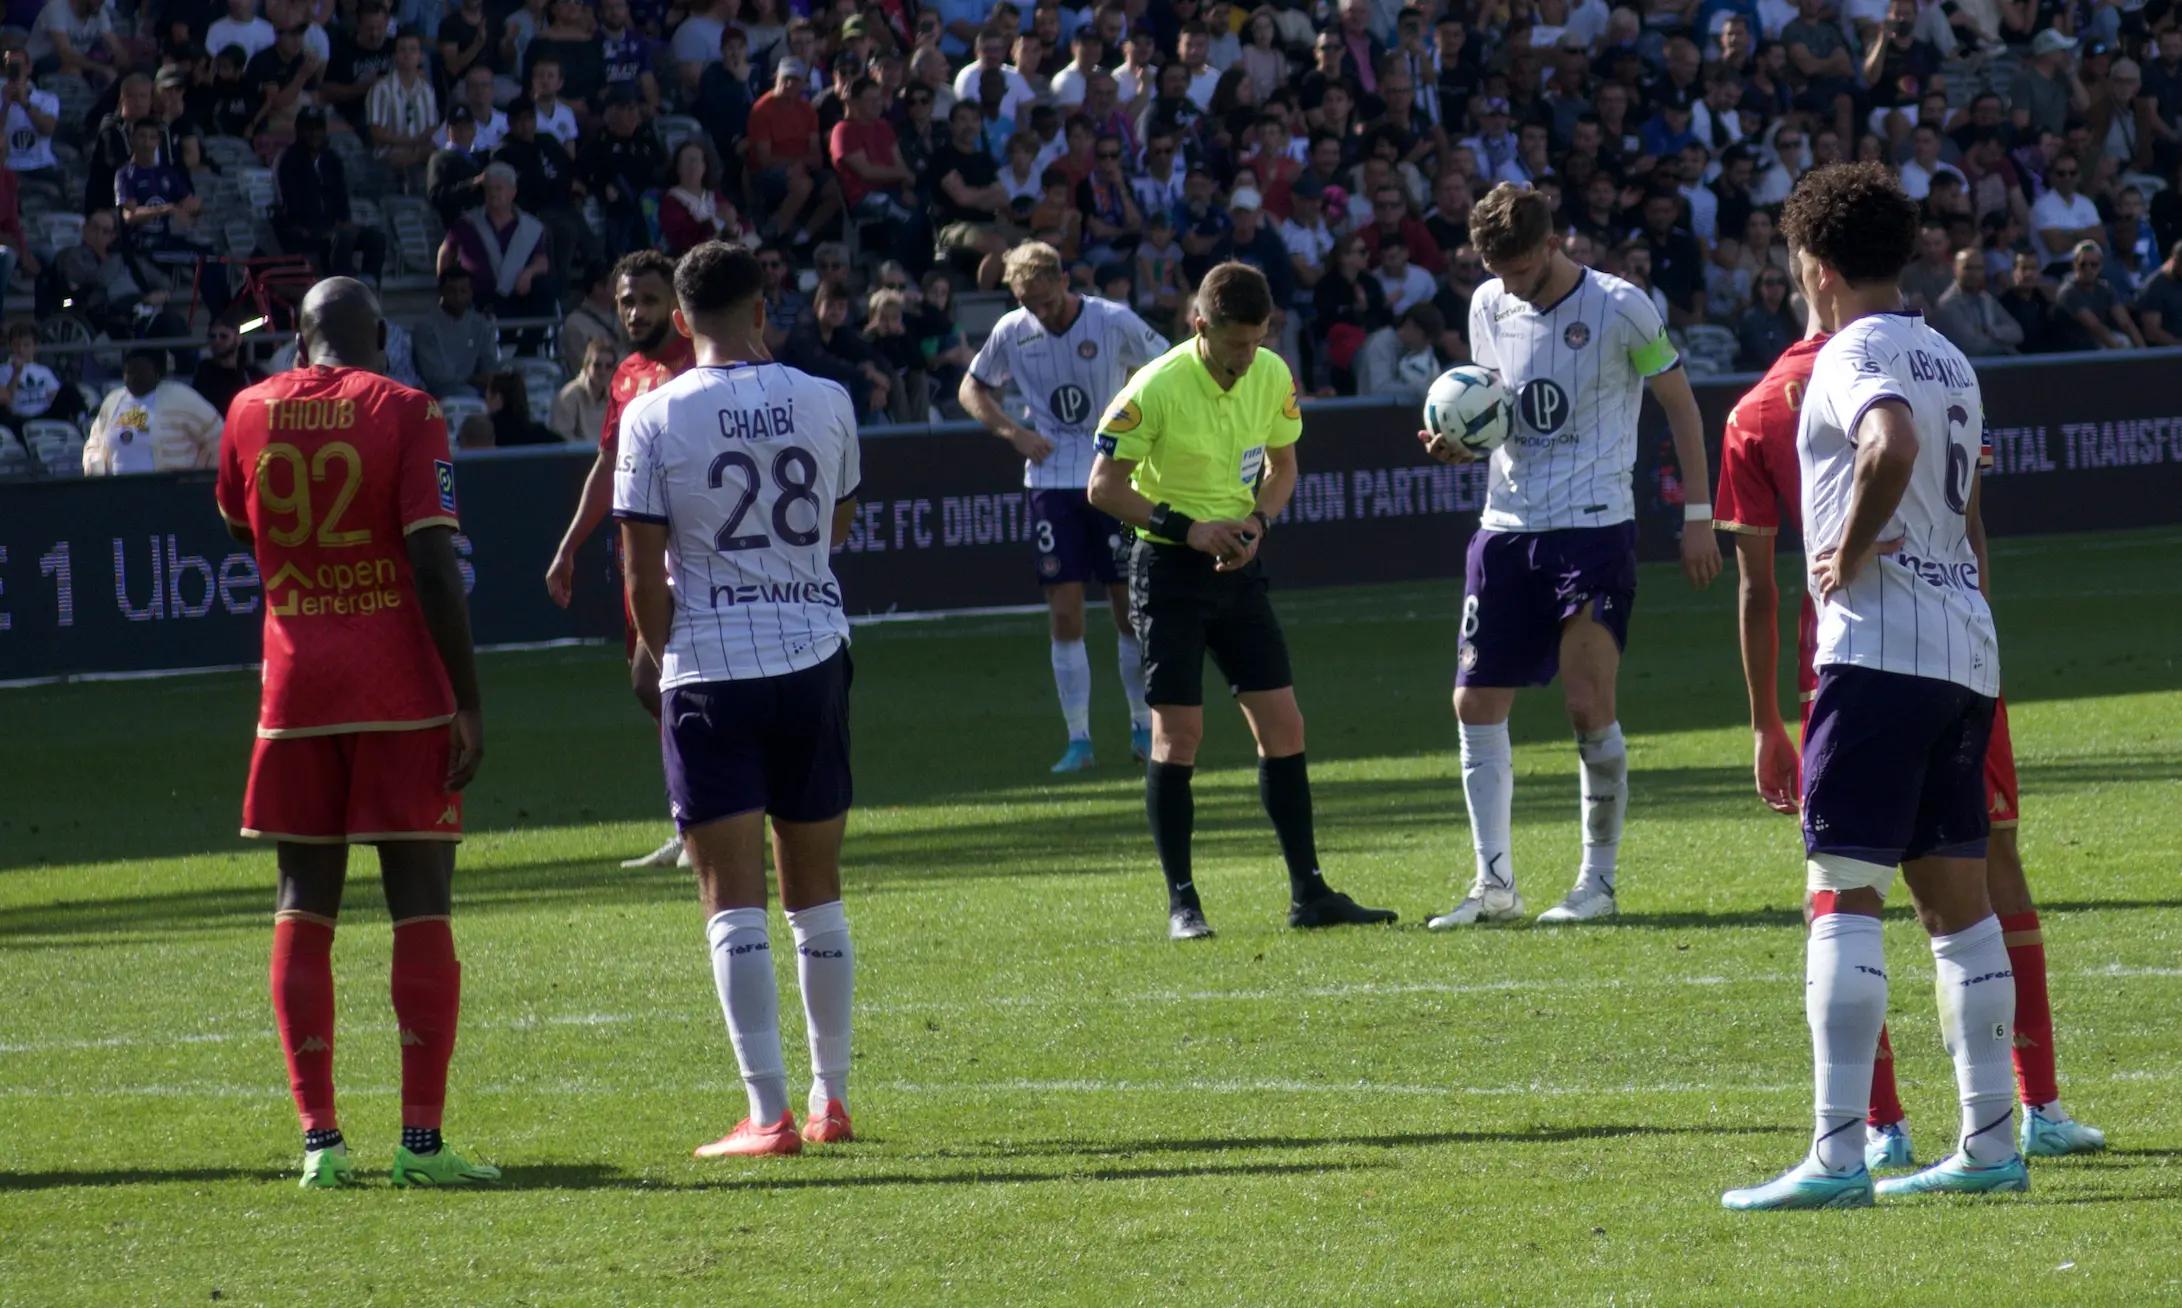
(137, 1176)
(1393, 1140)
(594, 1176)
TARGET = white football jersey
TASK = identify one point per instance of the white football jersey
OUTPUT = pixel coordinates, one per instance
(1916, 609)
(743, 464)
(1575, 376)
(1068, 380)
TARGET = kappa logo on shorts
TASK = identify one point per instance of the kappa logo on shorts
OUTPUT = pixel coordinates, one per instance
(446, 473)
(1577, 336)
(1089, 349)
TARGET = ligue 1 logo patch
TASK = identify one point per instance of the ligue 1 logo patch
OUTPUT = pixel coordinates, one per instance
(446, 473)
(1089, 349)
(1577, 336)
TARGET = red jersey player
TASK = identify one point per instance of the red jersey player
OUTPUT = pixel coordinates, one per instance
(644, 293)
(1759, 491)
(368, 723)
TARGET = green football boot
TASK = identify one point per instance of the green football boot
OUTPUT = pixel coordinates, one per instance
(328, 1169)
(443, 1168)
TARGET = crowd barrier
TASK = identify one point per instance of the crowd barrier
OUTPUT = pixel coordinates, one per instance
(137, 574)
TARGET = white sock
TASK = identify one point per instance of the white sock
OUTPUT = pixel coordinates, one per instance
(1605, 788)
(742, 970)
(1488, 788)
(1072, 680)
(1845, 1001)
(825, 971)
(1977, 1020)
(1130, 655)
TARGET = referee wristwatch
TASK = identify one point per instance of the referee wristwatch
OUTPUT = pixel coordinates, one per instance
(1265, 523)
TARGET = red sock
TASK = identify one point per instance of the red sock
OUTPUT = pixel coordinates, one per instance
(302, 977)
(2034, 1076)
(427, 990)
(1886, 1102)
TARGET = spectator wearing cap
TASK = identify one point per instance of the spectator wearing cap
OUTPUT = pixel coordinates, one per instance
(547, 184)
(508, 253)
(625, 56)
(1251, 239)
(455, 347)
(311, 214)
(618, 165)
(2047, 91)
(242, 26)
(788, 157)
(150, 423)
(477, 103)
(171, 104)
(401, 111)
(1677, 262)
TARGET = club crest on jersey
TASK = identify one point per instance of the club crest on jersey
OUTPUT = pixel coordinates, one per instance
(1577, 336)
(1088, 350)
(446, 474)
(1123, 418)
(1466, 657)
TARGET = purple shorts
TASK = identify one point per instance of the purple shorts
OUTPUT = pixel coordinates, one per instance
(1523, 585)
(776, 744)
(1076, 543)
(1894, 767)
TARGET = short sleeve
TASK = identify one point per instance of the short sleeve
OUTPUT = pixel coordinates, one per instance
(640, 492)
(1131, 425)
(991, 366)
(1650, 350)
(1483, 352)
(1286, 424)
(1861, 376)
(851, 471)
(427, 488)
(1140, 344)
(1747, 503)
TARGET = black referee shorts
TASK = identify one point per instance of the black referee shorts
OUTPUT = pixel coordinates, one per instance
(1182, 609)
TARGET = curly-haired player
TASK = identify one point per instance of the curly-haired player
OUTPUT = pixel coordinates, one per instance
(1908, 672)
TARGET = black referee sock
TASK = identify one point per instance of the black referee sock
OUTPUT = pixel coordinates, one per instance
(1173, 811)
(1284, 787)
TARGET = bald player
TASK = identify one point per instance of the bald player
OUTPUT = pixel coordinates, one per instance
(369, 722)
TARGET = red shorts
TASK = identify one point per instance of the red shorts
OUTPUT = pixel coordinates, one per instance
(2000, 783)
(352, 788)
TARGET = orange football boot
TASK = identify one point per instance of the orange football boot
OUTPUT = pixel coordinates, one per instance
(829, 1127)
(749, 1140)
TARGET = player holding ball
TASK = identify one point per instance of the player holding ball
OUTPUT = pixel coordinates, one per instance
(1551, 573)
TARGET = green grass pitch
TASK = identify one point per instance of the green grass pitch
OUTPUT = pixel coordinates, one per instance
(1057, 1105)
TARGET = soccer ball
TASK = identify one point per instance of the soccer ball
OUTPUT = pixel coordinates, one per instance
(1467, 406)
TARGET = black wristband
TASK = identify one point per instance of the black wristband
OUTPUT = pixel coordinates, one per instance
(1265, 521)
(1170, 522)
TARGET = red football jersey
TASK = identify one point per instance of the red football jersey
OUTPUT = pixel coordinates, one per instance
(638, 373)
(331, 469)
(1761, 482)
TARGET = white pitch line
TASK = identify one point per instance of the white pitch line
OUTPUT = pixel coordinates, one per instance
(1349, 990)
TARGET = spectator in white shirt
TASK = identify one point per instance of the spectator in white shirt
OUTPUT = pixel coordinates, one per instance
(242, 26)
(579, 410)
(2062, 217)
(32, 115)
(992, 54)
(1195, 49)
(492, 125)
(77, 37)
(1405, 283)
(1068, 84)
(1924, 162)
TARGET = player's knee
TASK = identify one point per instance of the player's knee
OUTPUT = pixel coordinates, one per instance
(1176, 741)
(1065, 622)
(1590, 707)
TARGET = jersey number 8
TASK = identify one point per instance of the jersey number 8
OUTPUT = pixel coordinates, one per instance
(795, 472)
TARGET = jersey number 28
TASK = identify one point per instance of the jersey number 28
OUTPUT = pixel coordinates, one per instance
(795, 472)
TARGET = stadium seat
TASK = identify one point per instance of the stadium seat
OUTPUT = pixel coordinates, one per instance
(76, 97)
(62, 231)
(1711, 345)
(677, 128)
(542, 380)
(458, 409)
(259, 188)
(230, 154)
(977, 311)
(240, 237)
(14, 459)
(57, 446)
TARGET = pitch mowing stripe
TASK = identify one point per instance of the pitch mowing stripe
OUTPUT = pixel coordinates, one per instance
(1352, 990)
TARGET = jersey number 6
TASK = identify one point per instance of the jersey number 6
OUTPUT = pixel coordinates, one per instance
(795, 472)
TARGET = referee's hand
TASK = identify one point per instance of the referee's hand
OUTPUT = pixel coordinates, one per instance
(1224, 541)
(1444, 450)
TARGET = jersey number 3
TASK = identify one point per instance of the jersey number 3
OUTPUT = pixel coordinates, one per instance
(795, 472)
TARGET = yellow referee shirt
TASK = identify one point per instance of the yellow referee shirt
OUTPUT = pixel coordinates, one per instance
(1196, 446)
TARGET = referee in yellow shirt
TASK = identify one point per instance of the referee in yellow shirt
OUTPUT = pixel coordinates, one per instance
(1197, 453)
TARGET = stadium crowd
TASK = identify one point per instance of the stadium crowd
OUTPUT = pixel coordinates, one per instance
(882, 156)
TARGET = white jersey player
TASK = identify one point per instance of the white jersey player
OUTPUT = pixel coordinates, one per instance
(1551, 573)
(1068, 355)
(1894, 756)
(735, 479)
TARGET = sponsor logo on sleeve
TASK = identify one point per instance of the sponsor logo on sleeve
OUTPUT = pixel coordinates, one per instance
(1123, 418)
(1291, 409)
(446, 475)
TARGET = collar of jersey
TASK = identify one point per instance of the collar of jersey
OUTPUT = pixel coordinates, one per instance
(1205, 380)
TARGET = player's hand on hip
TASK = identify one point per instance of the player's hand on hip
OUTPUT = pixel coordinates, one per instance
(1831, 572)
(1444, 450)
(1776, 769)
(1031, 445)
(467, 734)
(1700, 554)
(561, 578)
(1219, 539)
